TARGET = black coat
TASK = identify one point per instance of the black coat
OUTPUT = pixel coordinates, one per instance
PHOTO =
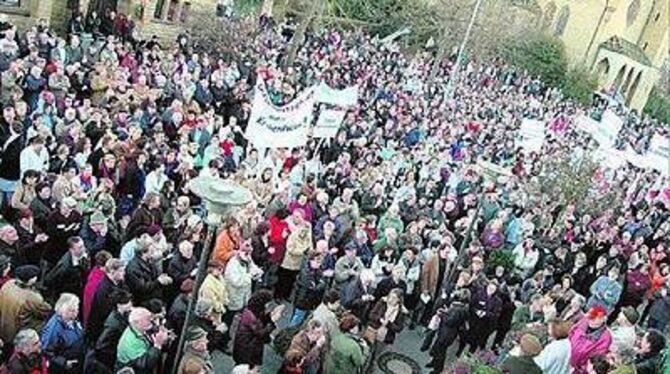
(60, 229)
(66, 277)
(101, 307)
(180, 268)
(311, 286)
(452, 323)
(252, 335)
(10, 159)
(490, 305)
(259, 252)
(103, 356)
(20, 364)
(140, 222)
(217, 340)
(142, 280)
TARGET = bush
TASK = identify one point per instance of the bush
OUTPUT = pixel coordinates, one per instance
(658, 106)
(579, 85)
(542, 56)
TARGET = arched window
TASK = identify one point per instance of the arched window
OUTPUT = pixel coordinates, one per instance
(172, 10)
(603, 68)
(549, 14)
(562, 22)
(633, 11)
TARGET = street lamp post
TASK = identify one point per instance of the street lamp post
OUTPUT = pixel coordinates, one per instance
(221, 198)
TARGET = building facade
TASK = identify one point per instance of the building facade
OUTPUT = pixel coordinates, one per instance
(623, 42)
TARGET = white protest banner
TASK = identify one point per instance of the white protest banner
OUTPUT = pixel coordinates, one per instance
(343, 98)
(658, 157)
(531, 135)
(610, 157)
(605, 131)
(328, 123)
(280, 127)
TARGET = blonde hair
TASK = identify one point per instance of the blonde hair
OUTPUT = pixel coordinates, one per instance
(64, 301)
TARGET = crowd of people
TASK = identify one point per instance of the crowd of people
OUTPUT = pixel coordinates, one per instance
(392, 225)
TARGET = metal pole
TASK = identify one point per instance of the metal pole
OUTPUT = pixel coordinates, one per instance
(200, 277)
(453, 76)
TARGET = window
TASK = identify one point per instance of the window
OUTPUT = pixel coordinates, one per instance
(20, 7)
(562, 22)
(172, 10)
(633, 11)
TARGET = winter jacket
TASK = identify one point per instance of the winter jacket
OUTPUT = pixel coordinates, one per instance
(18, 363)
(394, 327)
(96, 276)
(238, 283)
(343, 267)
(311, 286)
(297, 245)
(347, 354)
(180, 268)
(67, 276)
(142, 280)
(605, 292)
(10, 164)
(60, 229)
(225, 247)
(214, 288)
(135, 351)
(585, 344)
(520, 365)
(452, 324)
(277, 240)
(252, 334)
(555, 357)
(101, 307)
(62, 342)
(351, 297)
(21, 307)
(197, 359)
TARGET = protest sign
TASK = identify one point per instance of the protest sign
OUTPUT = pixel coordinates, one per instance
(658, 157)
(531, 135)
(343, 98)
(278, 127)
(603, 132)
(328, 123)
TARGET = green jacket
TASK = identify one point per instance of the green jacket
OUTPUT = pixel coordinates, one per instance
(388, 221)
(347, 354)
(135, 351)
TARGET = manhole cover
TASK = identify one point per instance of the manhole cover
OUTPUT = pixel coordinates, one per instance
(396, 363)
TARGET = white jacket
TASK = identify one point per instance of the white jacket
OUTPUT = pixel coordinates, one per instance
(555, 357)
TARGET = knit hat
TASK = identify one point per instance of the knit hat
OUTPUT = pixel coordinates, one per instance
(631, 314)
(26, 272)
(530, 345)
(195, 333)
(97, 218)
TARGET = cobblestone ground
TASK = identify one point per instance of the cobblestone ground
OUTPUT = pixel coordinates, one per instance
(406, 343)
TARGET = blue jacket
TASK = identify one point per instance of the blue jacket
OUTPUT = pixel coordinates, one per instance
(605, 292)
(62, 342)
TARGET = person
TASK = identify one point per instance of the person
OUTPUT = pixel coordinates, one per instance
(182, 265)
(555, 356)
(102, 357)
(95, 276)
(387, 319)
(63, 337)
(347, 268)
(298, 243)
(311, 286)
(452, 321)
(27, 356)
(139, 348)
(70, 273)
(624, 335)
(325, 313)
(347, 353)
(102, 304)
(143, 277)
(208, 319)
(214, 286)
(606, 290)
(21, 304)
(240, 272)
(356, 296)
(257, 322)
(62, 224)
(485, 308)
(588, 338)
(650, 354)
(196, 358)
(522, 361)
(307, 347)
(227, 242)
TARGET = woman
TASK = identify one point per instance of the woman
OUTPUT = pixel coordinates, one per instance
(227, 242)
(263, 187)
(347, 353)
(63, 338)
(298, 244)
(387, 319)
(302, 203)
(606, 290)
(256, 325)
(25, 192)
(304, 353)
(279, 232)
(96, 276)
(555, 357)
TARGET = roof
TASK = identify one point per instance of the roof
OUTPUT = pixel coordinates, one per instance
(626, 48)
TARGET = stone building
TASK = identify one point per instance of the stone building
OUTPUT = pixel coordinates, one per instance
(624, 42)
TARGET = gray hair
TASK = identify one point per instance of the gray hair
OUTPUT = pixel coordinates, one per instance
(204, 307)
(136, 314)
(25, 337)
(113, 264)
(66, 300)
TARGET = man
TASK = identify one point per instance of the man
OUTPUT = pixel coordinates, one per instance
(306, 348)
(310, 288)
(209, 320)
(27, 356)
(102, 305)
(239, 275)
(145, 216)
(35, 156)
(94, 234)
(9, 244)
(70, 273)
(175, 218)
(21, 305)
(196, 357)
(347, 268)
(588, 338)
(356, 296)
(182, 265)
(102, 357)
(138, 349)
(485, 309)
(623, 333)
(325, 312)
(529, 347)
(143, 277)
(61, 224)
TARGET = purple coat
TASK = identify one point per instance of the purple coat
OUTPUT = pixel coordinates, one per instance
(586, 345)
